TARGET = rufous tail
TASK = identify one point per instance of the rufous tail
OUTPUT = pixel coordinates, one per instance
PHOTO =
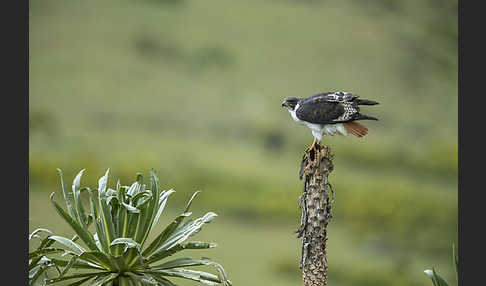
(356, 128)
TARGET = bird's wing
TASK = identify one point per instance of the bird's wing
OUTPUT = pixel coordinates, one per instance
(334, 96)
(328, 108)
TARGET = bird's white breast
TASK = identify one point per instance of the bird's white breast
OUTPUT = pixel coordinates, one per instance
(294, 116)
(320, 129)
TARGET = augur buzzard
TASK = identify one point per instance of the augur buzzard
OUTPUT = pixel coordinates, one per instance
(329, 113)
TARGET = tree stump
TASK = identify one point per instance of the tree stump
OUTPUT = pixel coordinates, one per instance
(315, 203)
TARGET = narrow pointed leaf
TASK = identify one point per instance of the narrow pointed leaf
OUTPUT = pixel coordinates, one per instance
(130, 208)
(41, 265)
(98, 258)
(77, 199)
(164, 235)
(109, 200)
(187, 231)
(114, 215)
(150, 211)
(92, 204)
(69, 265)
(69, 244)
(455, 262)
(441, 281)
(34, 262)
(143, 202)
(81, 275)
(121, 213)
(164, 282)
(141, 195)
(181, 262)
(142, 279)
(78, 264)
(35, 232)
(46, 242)
(430, 273)
(142, 221)
(199, 276)
(80, 231)
(77, 181)
(67, 197)
(127, 242)
(100, 237)
(138, 235)
(178, 263)
(44, 251)
(162, 203)
(100, 280)
(106, 222)
(110, 192)
(36, 274)
(102, 185)
(221, 273)
(122, 227)
(436, 279)
(190, 201)
(80, 282)
(132, 222)
(134, 188)
(154, 204)
(105, 214)
(180, 247)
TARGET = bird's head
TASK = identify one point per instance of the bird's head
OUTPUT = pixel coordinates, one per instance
(290, 102)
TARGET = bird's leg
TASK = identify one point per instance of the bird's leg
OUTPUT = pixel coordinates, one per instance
(312, 146)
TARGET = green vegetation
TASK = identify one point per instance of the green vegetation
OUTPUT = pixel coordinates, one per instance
(118, 253)
(193, 90)
(437, 279)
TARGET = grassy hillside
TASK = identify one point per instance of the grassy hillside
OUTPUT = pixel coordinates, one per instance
(193, 90)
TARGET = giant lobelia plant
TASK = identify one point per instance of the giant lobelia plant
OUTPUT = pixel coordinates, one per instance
(116, 251)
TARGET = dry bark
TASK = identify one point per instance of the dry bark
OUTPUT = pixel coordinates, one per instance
(315, 203)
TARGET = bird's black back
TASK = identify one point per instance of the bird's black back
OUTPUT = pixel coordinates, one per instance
(331, 108)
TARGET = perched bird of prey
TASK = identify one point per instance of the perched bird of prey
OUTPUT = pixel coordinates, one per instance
(329, 113)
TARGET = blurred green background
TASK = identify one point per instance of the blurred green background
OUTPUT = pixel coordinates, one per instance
(193, 89)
